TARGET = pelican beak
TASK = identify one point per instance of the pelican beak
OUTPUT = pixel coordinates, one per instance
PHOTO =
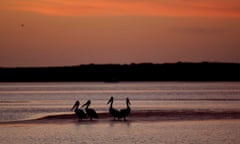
(73, 107)
(87, 103)
(110, 100)
(128, 101)
(84, 105)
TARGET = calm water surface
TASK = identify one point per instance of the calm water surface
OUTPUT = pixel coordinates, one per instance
(181, 132)
(30, 100)
(27, 100)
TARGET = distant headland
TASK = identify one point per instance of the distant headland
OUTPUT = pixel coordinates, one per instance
(181, 71)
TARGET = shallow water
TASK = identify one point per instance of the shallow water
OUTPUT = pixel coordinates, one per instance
(180, 132)
(30, 100)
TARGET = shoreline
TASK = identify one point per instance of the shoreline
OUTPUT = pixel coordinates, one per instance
(136, 116)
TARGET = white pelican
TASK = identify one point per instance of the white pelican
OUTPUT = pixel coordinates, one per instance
(90, 112)
(125, 112)
(113, 112)
(80, 113)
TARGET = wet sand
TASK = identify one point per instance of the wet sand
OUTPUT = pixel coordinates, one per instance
(139, 116)
(150, 126)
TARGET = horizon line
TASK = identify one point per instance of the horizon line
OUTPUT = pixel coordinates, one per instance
(140, 63)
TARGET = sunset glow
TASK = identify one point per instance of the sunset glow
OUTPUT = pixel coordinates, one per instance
(73, 32)
(210, 8)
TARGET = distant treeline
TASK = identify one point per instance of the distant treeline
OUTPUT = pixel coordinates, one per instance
(126, 72)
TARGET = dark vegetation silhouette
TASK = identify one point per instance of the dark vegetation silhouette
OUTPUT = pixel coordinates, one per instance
(113, 112)
(181, 71)
(79, 112)
(91, 113)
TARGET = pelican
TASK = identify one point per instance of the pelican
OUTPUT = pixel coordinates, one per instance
(90, 112)
(125, 112)
(115, 113)
(80, 113)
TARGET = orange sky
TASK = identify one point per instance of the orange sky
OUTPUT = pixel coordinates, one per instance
(72, 32)
(209, 8)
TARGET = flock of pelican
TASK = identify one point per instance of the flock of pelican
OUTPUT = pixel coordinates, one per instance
(91, 113)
